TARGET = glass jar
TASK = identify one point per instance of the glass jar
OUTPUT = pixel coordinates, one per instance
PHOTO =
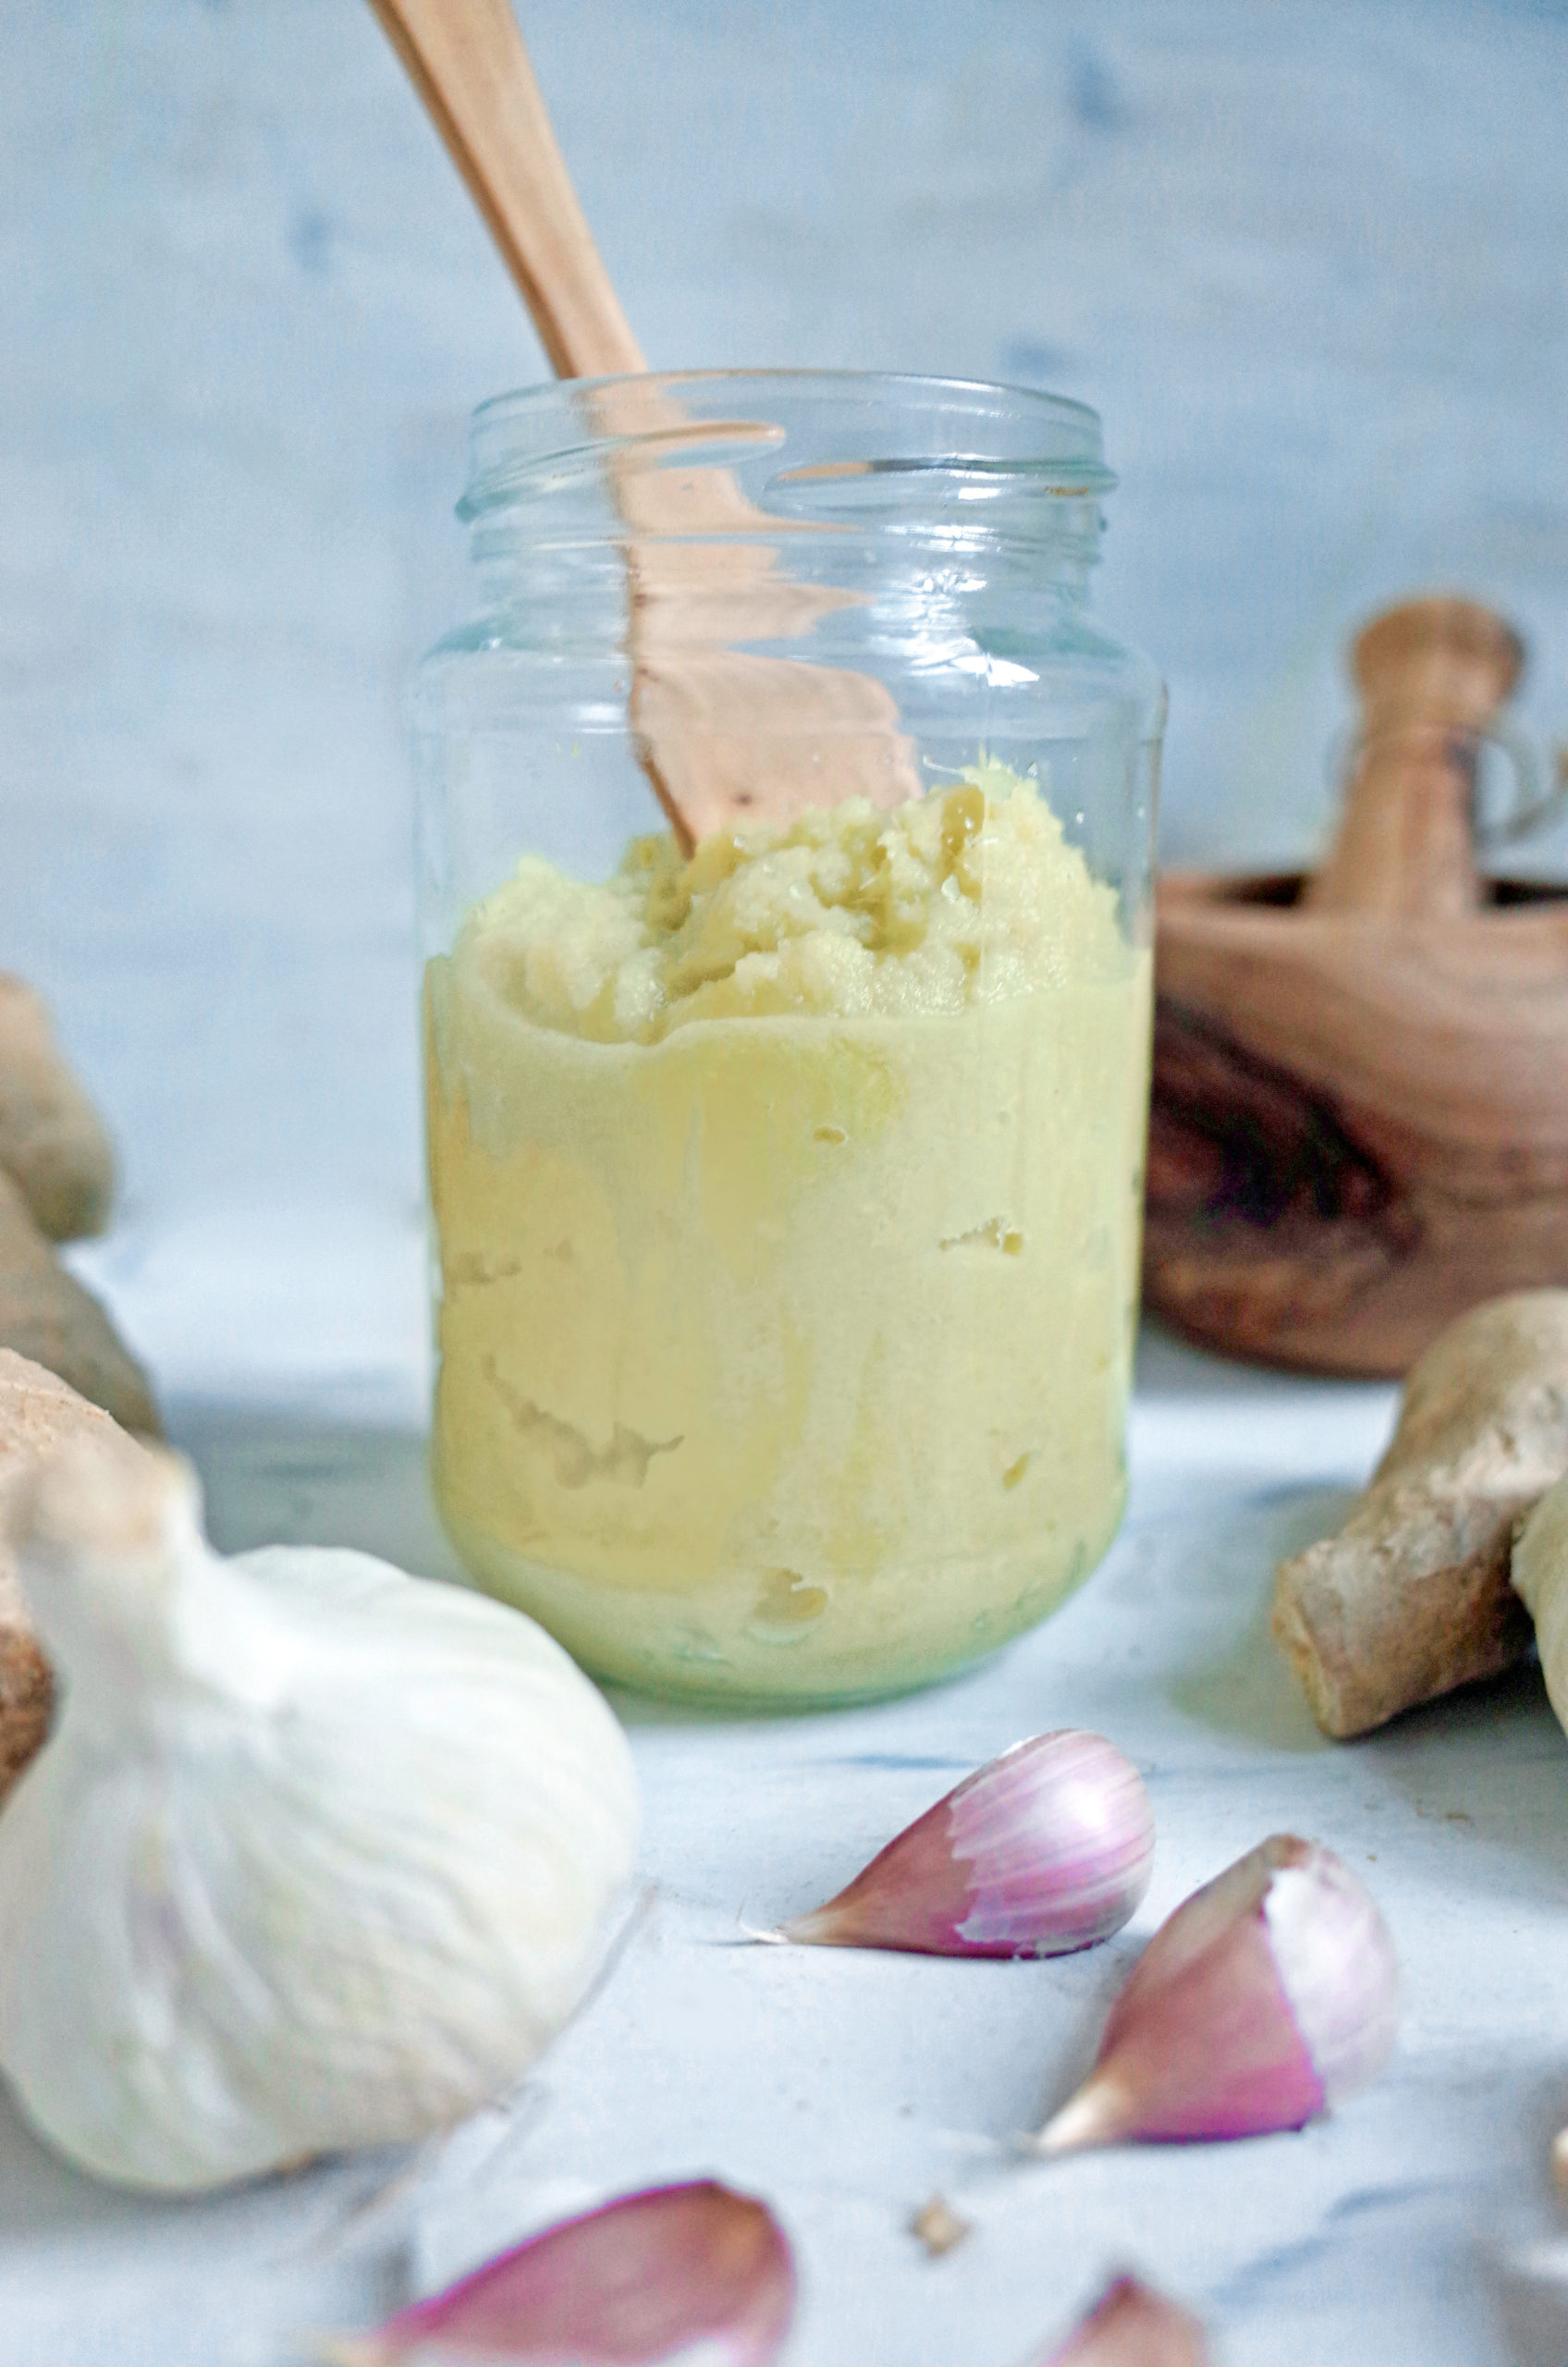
(787, 1188)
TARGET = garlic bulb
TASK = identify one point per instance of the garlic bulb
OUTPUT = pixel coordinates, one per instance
(317, 1856)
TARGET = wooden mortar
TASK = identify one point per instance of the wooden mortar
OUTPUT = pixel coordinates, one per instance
(1360, 1113)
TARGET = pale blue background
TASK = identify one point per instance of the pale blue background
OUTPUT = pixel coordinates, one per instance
(1311, 261)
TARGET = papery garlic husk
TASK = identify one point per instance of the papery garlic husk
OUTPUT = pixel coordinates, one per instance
(678, 2272)
(938, 2227)
(317, 1856)
(1270, 1995)
(1133, 2327)
(1045, 1850)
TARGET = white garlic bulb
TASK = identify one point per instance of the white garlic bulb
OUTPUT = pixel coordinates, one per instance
(318, 1855)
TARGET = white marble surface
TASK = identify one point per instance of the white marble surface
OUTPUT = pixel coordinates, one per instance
(1417, 2226)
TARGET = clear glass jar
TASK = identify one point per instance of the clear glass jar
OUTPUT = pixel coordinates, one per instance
(787, 1198)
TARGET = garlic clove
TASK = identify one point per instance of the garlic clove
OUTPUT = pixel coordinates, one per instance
(1133, 2327)
(1270, 1995)
(649, 2277)
(1043, 1850)
(317, 1854)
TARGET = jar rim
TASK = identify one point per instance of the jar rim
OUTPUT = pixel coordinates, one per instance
(1024, 435)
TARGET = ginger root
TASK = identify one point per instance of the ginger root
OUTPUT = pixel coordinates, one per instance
(56, 1180)
(47, 1316)
(1413, 1597)
(51, 1139)
(38, 1412)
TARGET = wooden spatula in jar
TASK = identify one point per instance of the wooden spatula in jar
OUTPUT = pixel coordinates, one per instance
(724, 735)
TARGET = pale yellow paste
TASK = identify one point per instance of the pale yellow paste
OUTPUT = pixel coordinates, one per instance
(787, 1204)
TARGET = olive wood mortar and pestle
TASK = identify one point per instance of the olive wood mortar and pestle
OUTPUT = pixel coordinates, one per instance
(1360, 1106)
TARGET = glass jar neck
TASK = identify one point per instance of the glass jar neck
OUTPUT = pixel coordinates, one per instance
(834, 472)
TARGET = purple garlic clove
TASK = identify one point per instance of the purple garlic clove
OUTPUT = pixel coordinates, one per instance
(1270, 1994)
(657, 2276)
(1044, 1849)
(1133, 2327)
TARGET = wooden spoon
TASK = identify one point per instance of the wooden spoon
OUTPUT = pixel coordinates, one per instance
(723, 735)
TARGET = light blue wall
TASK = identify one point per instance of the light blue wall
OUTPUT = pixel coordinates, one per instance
(1310, 261)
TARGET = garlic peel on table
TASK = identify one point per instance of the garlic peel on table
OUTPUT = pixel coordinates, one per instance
(317, 1856)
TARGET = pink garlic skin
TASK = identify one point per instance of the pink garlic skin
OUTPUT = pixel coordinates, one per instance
(663, 2275)
(1270, 1993)
(1045, 1850)
(1133, 2327)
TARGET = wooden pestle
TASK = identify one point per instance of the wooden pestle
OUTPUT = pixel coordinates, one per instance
(1432, 675)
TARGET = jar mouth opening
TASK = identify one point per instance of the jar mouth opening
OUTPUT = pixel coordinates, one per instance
(833, 424)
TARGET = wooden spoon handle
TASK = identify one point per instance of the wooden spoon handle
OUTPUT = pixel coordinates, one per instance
(467, 61)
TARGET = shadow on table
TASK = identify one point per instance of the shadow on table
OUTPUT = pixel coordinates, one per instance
(1525, 2264)
(303, 2217)
(1487, 1768)
(272, 1479)
(1243, 1687)
(40, 2194)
